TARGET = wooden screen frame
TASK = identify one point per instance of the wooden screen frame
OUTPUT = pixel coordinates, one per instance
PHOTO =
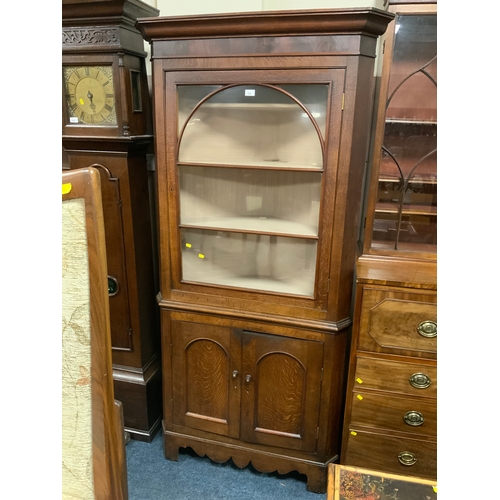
(108, 441)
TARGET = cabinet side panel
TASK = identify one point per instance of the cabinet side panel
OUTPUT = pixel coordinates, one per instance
(357, 116)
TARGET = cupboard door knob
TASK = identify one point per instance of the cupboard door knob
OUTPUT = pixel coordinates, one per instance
(407, 458)
(428, 329)
(420, 381)
(235, 374)
(248, 378)
(414, 418)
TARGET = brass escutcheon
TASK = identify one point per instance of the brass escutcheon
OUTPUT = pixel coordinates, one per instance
(112, 286)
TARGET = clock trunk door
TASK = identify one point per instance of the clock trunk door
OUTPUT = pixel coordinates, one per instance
(119, 309)
(281, 385)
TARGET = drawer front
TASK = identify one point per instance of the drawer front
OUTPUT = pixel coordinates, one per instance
(398, 322)
(413, 379)
(380, 452)
(412, 415)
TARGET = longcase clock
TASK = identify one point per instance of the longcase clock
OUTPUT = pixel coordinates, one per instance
(106, 123)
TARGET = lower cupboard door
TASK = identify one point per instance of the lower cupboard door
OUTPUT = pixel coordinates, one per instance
(281, 384)
(406, 456)
(205, 394)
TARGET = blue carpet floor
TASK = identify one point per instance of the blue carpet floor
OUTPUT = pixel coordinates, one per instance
(152, 477)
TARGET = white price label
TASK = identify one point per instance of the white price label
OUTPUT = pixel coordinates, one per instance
(73, 119)
(249, 92)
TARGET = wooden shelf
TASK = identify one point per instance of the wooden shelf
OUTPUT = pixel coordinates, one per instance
(389, 208)
(263, 164)
(252, 106)
(414, 181)
(257, 225)
(298, 282)
(402, 121)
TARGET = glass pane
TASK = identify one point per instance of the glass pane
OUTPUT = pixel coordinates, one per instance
(189, 96)
(385, 231)
(406, 209)
(314, 98)
(409, 147)
(252, 125)
(414, 69)
(271, 201)
(251, 261)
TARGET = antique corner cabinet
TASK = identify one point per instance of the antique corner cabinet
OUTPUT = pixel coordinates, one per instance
(107, 124)
(261, 136)
(390, 419)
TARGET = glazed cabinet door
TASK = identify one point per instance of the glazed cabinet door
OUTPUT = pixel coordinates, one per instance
(281, 385)
(247, 171)
(206, 382)
(403, 217)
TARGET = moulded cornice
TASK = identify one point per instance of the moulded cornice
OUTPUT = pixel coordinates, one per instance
(101, 12)
(366, 21)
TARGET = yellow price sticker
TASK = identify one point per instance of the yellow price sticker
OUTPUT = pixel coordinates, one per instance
(201, 256)
(66, 188)
(359, 397)
(82, 102)
(354, 433)
(435, 488)
(188, 245)
(359, 381)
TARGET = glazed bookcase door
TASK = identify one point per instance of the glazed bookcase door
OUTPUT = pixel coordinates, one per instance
(251, 167)
(405, 191)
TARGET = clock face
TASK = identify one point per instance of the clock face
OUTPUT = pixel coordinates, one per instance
(90, 95)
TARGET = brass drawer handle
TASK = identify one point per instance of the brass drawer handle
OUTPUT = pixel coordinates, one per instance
(428, 329)
(414, 418)
(420, 381)
(407, 458)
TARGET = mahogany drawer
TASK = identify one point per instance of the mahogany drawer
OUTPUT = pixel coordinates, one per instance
(413, 379)
(382, 452)
(392, 413)
(398, 322)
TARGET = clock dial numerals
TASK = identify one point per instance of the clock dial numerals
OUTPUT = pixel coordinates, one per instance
(90, 95)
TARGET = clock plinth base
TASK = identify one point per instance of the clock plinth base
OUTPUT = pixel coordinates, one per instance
(139, 390)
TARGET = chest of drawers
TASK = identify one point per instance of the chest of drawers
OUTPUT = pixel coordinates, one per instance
(390, 419)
